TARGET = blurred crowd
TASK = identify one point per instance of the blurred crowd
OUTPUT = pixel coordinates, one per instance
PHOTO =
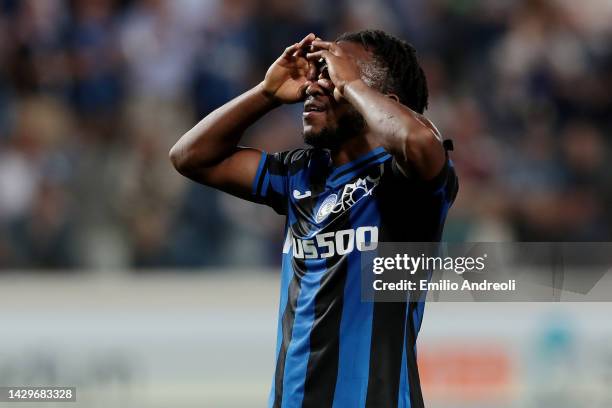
(94, 92)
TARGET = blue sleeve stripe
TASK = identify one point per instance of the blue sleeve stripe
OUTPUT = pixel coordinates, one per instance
(257, 180)
(266, 182)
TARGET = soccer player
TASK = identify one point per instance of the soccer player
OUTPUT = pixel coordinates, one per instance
(376, 171)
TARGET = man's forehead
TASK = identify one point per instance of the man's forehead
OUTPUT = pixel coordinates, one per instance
(372, 73)
(356, 49)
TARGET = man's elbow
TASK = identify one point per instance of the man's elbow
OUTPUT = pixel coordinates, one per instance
(180, 158)
(425, 151)
(188, 163)
(410, 142)
(175, 157)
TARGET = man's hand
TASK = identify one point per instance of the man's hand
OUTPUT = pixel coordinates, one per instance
(342, 67)
(286, 78)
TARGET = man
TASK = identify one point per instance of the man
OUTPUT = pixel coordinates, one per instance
(377, 171)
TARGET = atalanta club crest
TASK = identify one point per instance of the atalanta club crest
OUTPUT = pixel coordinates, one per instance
(326, 208)
(352, 193)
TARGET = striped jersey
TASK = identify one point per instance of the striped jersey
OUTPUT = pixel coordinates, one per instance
(333, 349)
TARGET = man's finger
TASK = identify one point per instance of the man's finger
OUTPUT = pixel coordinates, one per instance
(318, 54)
(310, 47)
(309, 38)
(290, 50)
(304, 44)
(326, 45)
(326, 84)
(313, 72)
(299, 52)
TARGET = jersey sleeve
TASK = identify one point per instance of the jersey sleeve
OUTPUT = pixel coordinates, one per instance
(271, 183)
(445, 183)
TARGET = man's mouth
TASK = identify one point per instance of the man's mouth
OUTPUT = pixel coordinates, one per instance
(312, 107)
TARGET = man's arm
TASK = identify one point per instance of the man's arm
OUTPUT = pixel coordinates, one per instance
(408, 136)
(209, 152)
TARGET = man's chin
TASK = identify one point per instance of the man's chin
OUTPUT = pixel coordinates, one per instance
(320, 139)
(326, 137)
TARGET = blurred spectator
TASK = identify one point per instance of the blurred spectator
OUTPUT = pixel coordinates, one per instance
(93, 94)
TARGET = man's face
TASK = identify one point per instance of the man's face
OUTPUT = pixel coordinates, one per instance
(327, 123)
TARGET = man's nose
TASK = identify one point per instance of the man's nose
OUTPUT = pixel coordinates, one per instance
(313, 89)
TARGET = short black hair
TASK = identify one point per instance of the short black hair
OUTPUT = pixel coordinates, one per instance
(403, 75)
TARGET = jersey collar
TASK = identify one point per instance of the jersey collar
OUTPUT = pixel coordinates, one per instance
(345, 172)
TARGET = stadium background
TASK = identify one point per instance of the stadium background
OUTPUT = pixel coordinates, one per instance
(120, 276)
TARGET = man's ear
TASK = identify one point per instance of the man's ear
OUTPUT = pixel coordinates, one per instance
(392, 96)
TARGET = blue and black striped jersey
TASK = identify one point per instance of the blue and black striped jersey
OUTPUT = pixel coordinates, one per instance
(333, 349)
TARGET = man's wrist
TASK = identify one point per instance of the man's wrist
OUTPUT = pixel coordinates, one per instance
(354, 86)
(266, 96)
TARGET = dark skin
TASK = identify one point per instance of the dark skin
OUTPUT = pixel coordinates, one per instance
(209, 152)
